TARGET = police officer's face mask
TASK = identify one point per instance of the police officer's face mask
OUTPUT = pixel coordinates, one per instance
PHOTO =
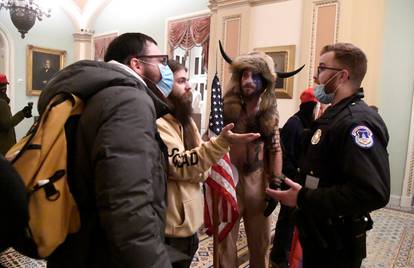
(320, 91)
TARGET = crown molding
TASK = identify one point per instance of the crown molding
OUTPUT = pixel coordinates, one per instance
(218, 4)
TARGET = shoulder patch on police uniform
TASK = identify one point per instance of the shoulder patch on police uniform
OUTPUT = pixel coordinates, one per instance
(316, 136)
(362, 136)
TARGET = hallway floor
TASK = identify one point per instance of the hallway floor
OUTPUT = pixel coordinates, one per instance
(390, 245)
(390, 242)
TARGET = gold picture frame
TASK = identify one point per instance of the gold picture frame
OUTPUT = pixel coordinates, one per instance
(42, 65)
(284, 59)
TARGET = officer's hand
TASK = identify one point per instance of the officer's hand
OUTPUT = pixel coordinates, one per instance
(289, 197)
(27, 111)
(235, 138)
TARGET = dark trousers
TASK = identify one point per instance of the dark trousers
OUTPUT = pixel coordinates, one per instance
(282, 240)
(328, 261)
(315, 257)
(186, 245)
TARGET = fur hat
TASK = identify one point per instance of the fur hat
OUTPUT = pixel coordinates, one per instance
(267, 117)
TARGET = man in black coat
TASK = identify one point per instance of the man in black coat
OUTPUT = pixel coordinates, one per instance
(13, 205)
(117, 160)
(290, 137)
(7, 120)
(345, 166)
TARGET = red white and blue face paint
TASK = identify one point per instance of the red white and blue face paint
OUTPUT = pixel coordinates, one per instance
(258, 81)
(251, 83)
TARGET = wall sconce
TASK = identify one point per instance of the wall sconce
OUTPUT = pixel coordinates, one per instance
(23, 13)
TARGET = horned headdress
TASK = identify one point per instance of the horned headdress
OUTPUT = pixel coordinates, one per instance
(258, 62)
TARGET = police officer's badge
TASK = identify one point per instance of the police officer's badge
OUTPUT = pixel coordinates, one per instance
(362, 136)
(316, 137)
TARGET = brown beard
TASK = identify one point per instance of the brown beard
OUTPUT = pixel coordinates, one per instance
(252, 95)
(182, 111)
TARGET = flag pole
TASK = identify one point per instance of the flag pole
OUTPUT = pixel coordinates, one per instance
(216, 260)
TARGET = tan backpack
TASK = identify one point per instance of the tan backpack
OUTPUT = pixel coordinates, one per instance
(41, 160)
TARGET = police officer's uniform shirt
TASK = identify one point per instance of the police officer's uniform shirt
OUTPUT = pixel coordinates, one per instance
(346, 160)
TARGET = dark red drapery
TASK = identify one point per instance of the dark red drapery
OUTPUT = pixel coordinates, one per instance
(189, 33)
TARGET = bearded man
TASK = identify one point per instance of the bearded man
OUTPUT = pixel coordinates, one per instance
(189, 159)
(250, 103)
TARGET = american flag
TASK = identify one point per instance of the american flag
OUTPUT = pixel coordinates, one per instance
(221, 179)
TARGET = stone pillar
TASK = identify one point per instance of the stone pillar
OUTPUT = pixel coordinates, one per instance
(83, 46)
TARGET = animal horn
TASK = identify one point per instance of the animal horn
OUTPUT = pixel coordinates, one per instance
(224, 54)
(288, 74)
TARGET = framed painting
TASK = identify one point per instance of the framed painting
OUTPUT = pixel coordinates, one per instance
(284, 59)
(42, 65)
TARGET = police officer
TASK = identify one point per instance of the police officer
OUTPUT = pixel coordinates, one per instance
(344, 166)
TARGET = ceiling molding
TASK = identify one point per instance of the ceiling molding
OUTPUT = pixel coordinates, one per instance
(218, 4)
(84, 18)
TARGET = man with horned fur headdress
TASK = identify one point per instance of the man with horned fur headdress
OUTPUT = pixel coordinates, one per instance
(251, 104)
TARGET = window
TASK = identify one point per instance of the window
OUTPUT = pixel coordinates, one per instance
(203, 71)
(202, 90)
(196, 65)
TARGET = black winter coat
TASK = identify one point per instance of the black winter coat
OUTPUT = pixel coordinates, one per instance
(117, 169)
(13, 205)
(7, 124)
(346, 160)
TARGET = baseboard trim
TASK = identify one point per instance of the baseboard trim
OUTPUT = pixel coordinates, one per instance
(406, 202)
(394, 201)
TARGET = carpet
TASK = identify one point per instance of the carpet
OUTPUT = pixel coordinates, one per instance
(390, 244)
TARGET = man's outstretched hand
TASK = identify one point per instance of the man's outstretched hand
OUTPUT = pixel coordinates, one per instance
(288, 197)
(236, 138)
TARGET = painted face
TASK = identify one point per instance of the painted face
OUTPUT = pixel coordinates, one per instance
(47, 64)
(251, 83)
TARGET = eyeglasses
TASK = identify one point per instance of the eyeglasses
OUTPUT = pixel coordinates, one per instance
(321, 68)
(164, 58)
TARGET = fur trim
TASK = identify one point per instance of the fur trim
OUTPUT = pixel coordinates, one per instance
(267, 117)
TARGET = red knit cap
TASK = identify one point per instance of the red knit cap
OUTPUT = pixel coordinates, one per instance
(3, 79)
(308, 96)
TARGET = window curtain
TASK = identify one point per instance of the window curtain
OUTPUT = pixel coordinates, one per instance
(189, 33)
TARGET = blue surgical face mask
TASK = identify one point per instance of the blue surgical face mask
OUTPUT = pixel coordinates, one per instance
(167, 79)
(321, 95)
(320, 91)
